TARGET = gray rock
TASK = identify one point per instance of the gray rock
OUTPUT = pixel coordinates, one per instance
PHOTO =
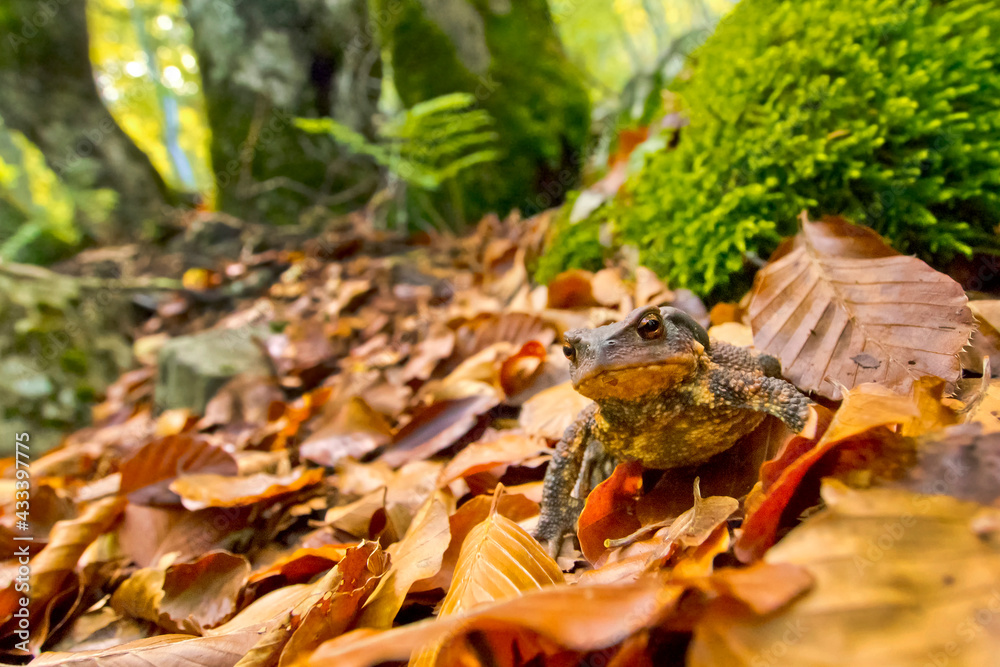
(191, 369)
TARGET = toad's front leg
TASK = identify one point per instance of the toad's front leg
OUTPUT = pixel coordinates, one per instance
(578, 464)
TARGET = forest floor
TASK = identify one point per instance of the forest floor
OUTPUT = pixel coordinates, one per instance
(370, 497)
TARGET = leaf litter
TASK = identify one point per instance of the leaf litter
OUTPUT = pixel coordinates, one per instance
(372, 498)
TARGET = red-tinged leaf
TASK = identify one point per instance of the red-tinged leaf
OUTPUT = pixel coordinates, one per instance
(517, 371)
(437, 427)
(572, 289)
(351, 430)
(147, 475)
(610, 511)
(201, 491)
(488, 329)
(299, 566)
(859, 425)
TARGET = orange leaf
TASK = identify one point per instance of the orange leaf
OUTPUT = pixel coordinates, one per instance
(200, 491)
(610, 510)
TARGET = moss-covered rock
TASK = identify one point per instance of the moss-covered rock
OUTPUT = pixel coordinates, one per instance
(508, 55)
(884, 111)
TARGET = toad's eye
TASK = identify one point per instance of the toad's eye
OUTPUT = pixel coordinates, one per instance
(650, 326)
(569, 351)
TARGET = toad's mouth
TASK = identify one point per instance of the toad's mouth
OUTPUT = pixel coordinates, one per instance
(635, 380)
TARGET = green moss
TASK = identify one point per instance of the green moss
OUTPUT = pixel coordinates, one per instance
(884, 111)
(579, 245)
(508, 56)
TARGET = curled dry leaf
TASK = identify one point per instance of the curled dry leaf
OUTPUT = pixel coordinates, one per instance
(900, 578)
(201, 491)
(146, 476)
(842, 308)
(572, 289)
(417, 556)
(185, 597)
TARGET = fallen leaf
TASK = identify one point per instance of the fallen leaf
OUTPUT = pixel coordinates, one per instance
(579, 618)
(185, 597)
(498, 560)
(610, 510)
(147, 474)
(507, 447)
(208, 490)
(842, 308)
(548, 413)
(352, 429)
(417, 556)
(900, 579)
(437, 427)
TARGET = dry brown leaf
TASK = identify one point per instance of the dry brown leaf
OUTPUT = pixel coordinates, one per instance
(185, 597)
(507, 447)
(580, 618)
(53, 566)
(842, 308)
(352, 429)
(437, 427)
(146, 475)
(549, 412)
(201, 491)
(417, 556)
(225, 645)
(901, 579)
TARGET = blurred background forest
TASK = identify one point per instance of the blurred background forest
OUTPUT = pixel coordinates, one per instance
(122, 119)
(144, 142)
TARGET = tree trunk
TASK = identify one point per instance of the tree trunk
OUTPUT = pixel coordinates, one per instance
(266, 62)
(50, 96)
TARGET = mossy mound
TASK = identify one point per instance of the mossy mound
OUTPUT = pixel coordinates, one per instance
(884, 111)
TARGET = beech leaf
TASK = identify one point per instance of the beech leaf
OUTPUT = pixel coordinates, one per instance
(841, 308)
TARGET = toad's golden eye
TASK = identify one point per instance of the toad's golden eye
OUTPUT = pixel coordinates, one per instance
(569, 351)
(650, 326)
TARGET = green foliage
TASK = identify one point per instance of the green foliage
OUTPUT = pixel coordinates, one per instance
(39, 213)
(424, 146)
(510, 57)
(579, 245)
(59, 348)
(884, 111)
